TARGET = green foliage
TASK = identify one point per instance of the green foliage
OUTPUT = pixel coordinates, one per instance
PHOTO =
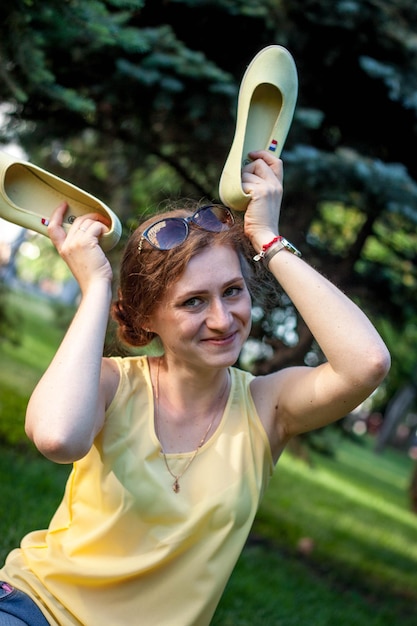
(162, 177)
(38, 262)
(140, 98)
(335, 228)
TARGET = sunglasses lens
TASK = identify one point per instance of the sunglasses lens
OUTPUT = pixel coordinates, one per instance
(213, 218)
(173, 231)
(167, 234)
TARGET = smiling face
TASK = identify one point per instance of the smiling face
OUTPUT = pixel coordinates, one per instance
(205, 317)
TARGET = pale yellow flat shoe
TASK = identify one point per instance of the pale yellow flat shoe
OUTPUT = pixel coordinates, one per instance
(29, 195)
(265, 109)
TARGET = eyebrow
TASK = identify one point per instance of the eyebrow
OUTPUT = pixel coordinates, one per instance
(199, 291)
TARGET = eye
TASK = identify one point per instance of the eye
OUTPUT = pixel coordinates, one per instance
(192, 303)
(232, 291)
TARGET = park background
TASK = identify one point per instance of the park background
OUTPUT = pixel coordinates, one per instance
(135, 102)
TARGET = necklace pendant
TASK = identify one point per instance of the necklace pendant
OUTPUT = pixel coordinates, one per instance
(175, 486)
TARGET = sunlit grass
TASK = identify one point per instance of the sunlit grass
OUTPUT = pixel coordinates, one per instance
(25, 352)
(355, 511)
(37, 333)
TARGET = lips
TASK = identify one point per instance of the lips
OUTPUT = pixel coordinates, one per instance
(221, 339)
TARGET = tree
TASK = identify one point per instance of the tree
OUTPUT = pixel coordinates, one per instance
(101, 91)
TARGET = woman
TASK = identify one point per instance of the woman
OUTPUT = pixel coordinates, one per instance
(172, 453)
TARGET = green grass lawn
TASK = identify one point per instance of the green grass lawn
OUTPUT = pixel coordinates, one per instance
(36, 328)
(359, 566)
(334, 542)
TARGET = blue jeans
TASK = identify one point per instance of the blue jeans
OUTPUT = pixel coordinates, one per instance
(18, 609)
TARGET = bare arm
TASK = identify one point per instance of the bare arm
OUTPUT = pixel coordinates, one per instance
(299, 399)
(66, 409)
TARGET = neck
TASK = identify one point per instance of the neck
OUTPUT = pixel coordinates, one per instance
(185, 392)
(186, 413)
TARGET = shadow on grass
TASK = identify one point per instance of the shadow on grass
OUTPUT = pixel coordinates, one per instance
(269, 588)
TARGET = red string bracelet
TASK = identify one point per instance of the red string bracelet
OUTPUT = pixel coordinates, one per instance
(266, 247)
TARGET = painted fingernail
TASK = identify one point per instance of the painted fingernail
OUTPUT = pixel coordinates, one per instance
(45, 221)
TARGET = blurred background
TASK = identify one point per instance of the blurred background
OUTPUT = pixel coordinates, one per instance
(135, 102)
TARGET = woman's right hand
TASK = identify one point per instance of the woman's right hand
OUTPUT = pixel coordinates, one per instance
(80, 247)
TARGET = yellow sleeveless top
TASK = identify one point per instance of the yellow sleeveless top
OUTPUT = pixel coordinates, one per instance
(122, 547)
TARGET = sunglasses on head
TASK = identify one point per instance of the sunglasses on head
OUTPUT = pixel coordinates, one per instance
(173, 231)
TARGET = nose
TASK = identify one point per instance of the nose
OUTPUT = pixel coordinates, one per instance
(219, 315)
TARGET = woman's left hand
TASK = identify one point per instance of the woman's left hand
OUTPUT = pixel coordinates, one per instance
(262, 179)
